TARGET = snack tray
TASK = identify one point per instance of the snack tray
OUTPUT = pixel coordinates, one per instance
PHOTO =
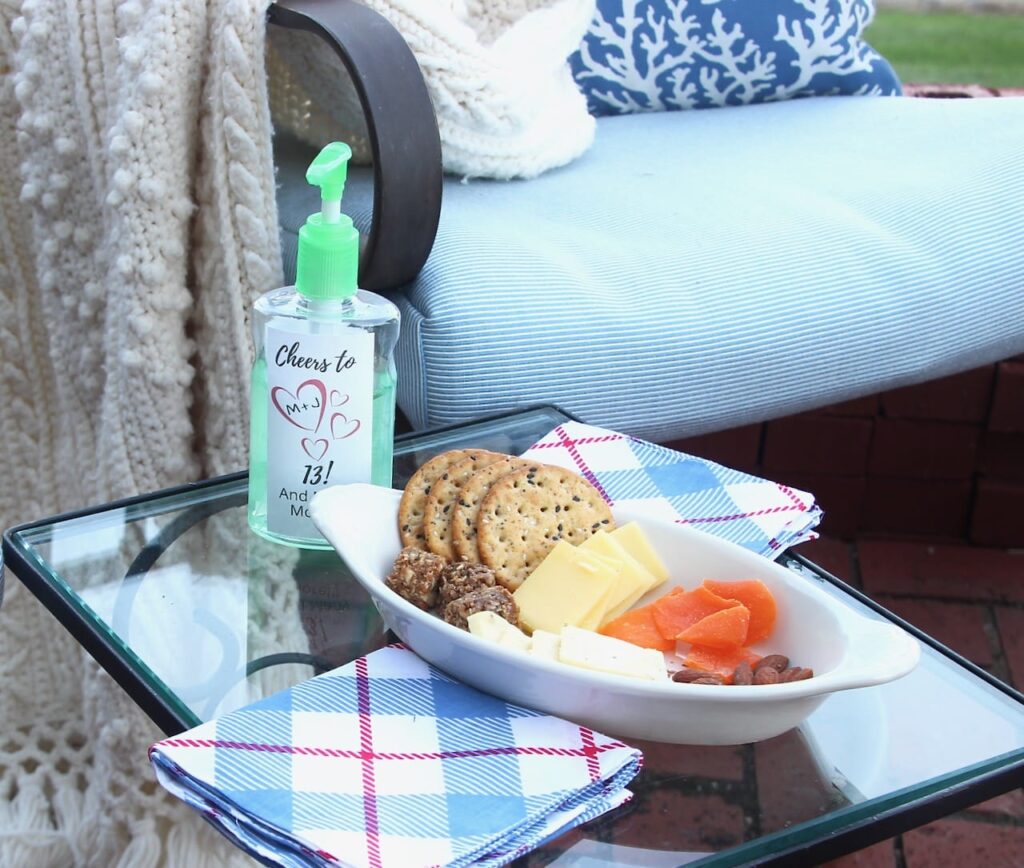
(846, 649)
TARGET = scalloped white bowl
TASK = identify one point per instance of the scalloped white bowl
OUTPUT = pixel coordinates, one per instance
(846, 649)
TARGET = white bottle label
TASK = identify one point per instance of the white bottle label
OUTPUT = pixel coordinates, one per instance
(320, 425)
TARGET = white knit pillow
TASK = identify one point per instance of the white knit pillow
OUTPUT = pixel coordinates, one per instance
(497, 73)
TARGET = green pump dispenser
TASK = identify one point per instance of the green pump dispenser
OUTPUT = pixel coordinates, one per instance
(323, 377)
(328, 259)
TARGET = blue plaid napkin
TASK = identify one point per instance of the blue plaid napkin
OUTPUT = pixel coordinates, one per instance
(388, 761)
(760, 515)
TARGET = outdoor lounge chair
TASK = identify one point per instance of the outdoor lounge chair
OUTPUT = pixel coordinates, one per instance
(694, 270)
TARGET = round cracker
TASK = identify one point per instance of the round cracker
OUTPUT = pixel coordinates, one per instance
(526, 512)
(437, 513)
(467, 507)
(417, 490)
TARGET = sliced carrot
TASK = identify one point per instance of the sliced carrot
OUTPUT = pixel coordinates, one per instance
(753, 594)
(724, 629)
(676, 612)
(721, 660)
(637, 626)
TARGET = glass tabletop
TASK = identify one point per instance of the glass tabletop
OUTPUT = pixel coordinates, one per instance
(194, 615)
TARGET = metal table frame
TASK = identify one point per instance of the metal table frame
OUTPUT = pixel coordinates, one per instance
(870, 822)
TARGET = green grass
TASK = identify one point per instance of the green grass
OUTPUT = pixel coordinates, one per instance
(951, 47)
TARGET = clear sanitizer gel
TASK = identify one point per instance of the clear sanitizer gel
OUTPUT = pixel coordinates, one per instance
(323, 384)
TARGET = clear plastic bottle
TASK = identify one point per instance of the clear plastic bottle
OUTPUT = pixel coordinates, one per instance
(323, 383)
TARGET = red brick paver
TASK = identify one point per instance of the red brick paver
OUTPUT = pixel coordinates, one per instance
(788, 776)
(952, 592)
(957, 843)
(998, 518)
(963, 397)
(959, 626)
(674, 821)
(933, 507)
(831, 555)
(716, 763)
(1011, 633)
(941, 571)
(881, 855)
(924, 450)
(952, 90)
(1009, 804)
(1008, 402)
(1001, 455)
(817, 444)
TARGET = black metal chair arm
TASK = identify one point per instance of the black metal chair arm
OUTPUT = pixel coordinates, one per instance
(402, 129)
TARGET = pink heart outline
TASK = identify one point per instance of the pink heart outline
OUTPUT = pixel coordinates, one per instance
(337, 399)
(307, 443)
(352, 423)
(317, 386)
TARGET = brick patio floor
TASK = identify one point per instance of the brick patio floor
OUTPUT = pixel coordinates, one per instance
(972, 600)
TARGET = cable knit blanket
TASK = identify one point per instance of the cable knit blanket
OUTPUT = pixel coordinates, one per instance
(505, 99)
(138, 223)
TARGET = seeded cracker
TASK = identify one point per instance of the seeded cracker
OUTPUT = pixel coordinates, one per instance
(437, 513)
(526, 512)
(414, 498)
(467, 507)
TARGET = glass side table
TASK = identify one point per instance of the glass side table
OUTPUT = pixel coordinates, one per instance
(194, 615)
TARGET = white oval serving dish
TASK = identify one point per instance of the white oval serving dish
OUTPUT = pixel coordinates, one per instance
(845, 649)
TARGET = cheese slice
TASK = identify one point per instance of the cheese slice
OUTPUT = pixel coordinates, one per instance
(595, 617)
(486, 625)
(632, 581)
(599, 653)
(515, 638)
(545, 644)
(493, 628)
(564, 589)
(634, 541)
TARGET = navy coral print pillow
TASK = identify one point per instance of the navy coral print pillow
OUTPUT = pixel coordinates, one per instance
(652, 55)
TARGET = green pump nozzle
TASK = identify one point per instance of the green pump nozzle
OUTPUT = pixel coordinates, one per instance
(328, 257)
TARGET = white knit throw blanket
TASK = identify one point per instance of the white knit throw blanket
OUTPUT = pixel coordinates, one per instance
(497, 71)
(138, 222)
(137, 225)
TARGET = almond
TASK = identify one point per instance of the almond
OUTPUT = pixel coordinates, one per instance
(743, 674)
(690, 676)
(778, 662)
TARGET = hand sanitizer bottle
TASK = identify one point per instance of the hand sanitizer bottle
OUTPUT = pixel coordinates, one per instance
(323, 384)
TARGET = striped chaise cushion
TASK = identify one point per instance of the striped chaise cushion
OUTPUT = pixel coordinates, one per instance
(700, 270)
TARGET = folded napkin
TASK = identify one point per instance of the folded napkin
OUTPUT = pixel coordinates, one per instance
(763, 516)
(388, 761)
